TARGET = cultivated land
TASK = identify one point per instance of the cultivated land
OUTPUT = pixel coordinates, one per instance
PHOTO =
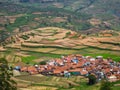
(54, 42)
(51, 42)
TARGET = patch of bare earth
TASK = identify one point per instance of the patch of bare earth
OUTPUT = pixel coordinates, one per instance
(2, 49)
(59, 19)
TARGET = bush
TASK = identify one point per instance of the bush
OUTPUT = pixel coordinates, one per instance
(25, 37)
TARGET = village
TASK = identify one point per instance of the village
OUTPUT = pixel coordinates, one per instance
(77, 64)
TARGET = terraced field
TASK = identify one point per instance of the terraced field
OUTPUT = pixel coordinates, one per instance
(47, 43)
(57, 37)
(56, 82)
(52, 42)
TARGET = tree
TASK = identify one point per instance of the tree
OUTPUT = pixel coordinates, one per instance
(92, 79)
(3, 35)
(6, 83)
(42, 63)
(105, 85)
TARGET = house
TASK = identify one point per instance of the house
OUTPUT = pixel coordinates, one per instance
(20, 64)
(75, 71)
(78, 71)
(75, 60)
(112, 78)
(67, 74)
(84, 72)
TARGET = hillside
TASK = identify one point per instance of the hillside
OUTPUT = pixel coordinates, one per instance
(88, 6)
(85, 16)
(106, 11)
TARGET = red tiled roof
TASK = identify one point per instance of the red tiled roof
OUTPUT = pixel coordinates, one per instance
(57, 71)
(107, 70)
(41, 69)
(115, 69)
(58, 61)
(61, 68)
(75, 70)
(88, 68)
(23, 69)
(76, 65)
(83, 72)
(31, 68)
(93, 67)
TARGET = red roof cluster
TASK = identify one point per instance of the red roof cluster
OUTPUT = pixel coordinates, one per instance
(79, 65)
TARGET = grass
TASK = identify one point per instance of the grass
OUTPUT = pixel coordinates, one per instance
(42, 85)
(28, 59)
(40, 54)
(105, 55)
(64, 52)
(84, 86)
(116, 88)
(44, 50)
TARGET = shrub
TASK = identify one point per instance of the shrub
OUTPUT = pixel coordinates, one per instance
(105, 85)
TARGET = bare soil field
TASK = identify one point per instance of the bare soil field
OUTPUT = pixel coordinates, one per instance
(59, 19)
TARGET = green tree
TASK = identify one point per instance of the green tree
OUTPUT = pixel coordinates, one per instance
(6, 83)
(105, 85)
(92, 79)
(42, 63)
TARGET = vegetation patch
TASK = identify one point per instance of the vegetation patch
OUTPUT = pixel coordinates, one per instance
(28, 59)
(25, 37)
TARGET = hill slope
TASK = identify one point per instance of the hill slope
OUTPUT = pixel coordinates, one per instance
(89, 16)
(88, 6)
(105, 10)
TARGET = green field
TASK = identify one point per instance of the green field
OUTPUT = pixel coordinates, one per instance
(48, 53)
